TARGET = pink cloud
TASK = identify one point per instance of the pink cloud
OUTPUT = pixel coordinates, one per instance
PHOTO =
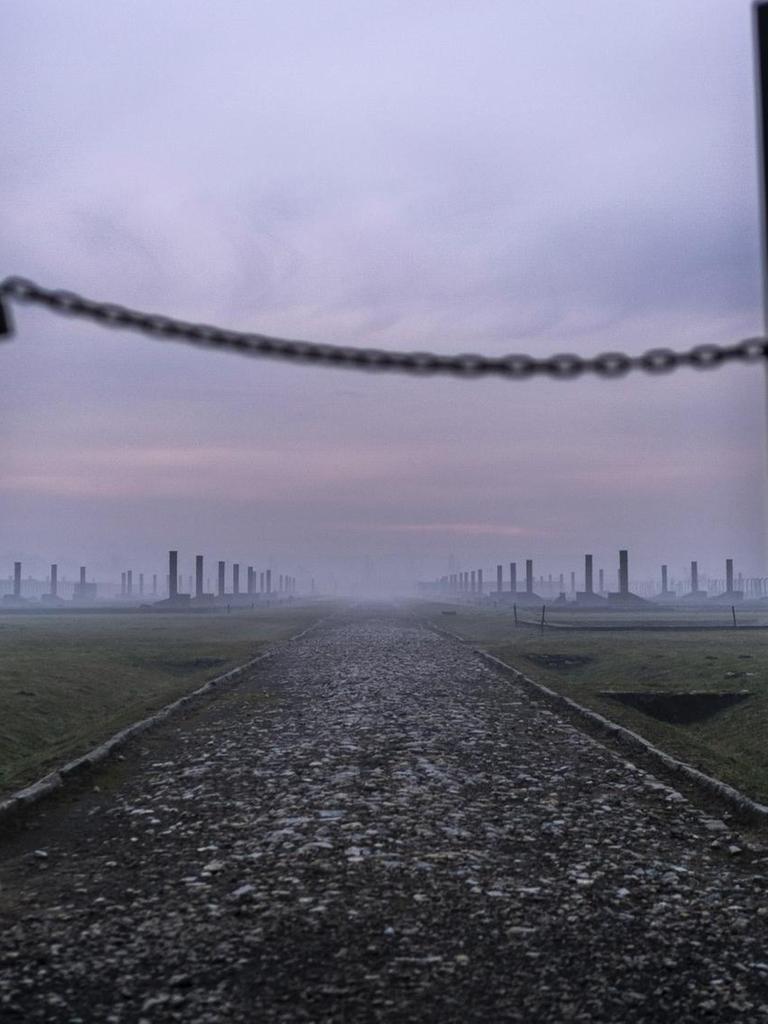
(460, 529)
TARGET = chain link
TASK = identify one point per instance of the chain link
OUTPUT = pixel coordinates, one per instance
(563, 366)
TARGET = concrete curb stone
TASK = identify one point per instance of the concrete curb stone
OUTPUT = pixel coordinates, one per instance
(57, 779)
(730, 796)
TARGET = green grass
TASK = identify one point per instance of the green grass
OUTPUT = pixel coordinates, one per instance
(68, 681)
(731, 745)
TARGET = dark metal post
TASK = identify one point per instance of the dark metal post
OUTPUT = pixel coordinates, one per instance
(694, 576)
(513, 577)
(529, 575)
(760, 35)
(663, 579)
(222, 581)
(198, 576)
(729, 575)
(761, 87)
(6, 323)
(236, 578)
(54, 580)
(17, 579)
(499, 578)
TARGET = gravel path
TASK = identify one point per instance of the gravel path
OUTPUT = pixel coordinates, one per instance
(376, 827)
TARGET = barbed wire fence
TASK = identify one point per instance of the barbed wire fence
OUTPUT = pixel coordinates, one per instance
(562, 366)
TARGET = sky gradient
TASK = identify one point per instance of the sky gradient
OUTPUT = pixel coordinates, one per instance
(488, 176)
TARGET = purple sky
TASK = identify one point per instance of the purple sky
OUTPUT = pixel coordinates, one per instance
(486, 176)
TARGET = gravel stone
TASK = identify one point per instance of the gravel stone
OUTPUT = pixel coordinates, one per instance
(375, 826)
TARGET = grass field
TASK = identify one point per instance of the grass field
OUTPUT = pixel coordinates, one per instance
(68, 681)
(731, 745)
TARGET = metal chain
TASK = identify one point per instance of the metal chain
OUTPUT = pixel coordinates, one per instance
(515, 367)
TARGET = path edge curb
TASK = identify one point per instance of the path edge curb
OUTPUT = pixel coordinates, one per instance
(729, 795)
(29, 795)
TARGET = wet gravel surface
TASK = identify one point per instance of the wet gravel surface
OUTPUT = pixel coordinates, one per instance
(376, 827)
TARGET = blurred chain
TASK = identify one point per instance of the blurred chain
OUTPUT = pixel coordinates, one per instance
(515, 367)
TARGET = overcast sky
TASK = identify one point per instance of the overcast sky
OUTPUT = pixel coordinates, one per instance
(525, 175)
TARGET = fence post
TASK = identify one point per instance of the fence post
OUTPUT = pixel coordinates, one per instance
(543, 613)
(733, 613)
(514, 612)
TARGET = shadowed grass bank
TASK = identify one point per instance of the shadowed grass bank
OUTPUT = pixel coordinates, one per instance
(69, 681)
(730, 744)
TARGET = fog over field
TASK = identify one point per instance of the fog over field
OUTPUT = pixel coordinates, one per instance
(497, 177)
